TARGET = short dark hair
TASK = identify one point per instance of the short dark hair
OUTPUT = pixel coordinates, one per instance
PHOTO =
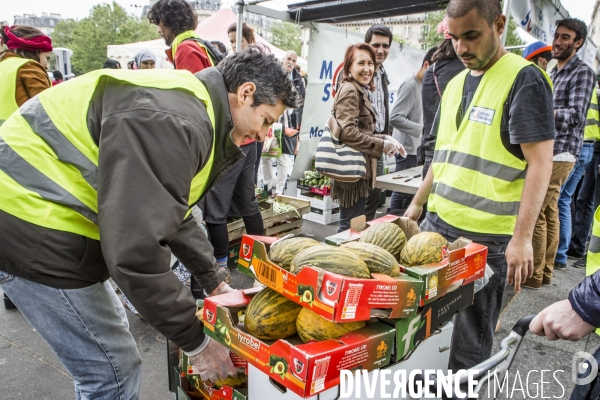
(349, 59)
(220, 46)
(177, 15)
(57, 75)
(261, 68)
(380, 30)
(546, 54)
(445, 52)
(576, 25)
(488, 9)
(429, 55)
(111, 64)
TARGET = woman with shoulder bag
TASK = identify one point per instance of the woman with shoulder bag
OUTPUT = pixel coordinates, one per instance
(355, 117)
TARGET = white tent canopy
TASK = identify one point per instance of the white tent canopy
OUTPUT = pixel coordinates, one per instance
(212, 28)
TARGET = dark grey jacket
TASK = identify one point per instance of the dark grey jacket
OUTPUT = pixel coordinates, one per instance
(152, 143)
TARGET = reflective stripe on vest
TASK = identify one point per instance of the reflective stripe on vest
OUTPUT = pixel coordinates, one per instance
(9, 69)
(49, 161)
(592, 127)
(477, 183)
(188, 35)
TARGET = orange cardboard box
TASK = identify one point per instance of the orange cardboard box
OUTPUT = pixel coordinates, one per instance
(336, 297)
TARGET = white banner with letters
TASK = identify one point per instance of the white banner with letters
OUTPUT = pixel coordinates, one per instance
(328, 45)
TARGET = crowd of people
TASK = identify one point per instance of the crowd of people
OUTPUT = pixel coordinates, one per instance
(137, 181)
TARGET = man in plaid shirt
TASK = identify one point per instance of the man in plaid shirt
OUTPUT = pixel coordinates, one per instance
(573, 84)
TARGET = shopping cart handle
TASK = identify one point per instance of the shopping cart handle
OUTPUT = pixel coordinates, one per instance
(522, 325)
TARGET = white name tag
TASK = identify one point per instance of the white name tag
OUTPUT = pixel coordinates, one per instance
(483, 115)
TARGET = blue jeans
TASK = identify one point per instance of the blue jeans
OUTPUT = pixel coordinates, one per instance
(86, 331)
(584, 210)
(565, 198)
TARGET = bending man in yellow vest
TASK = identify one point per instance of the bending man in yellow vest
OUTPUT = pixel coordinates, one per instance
(491, 166)
(576, 317)
(98, 176)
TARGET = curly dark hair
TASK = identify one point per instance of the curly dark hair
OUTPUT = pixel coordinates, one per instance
(577, 26)
(265, 71)
(177, 15)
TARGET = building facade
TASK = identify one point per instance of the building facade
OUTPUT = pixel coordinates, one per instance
(45, 23)
(594, 32)
(412, 29)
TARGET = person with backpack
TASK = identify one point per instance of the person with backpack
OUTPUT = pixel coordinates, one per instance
(176, 21)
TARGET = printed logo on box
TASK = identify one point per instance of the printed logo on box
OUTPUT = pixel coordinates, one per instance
(411, 297)
(209, 316)
(298, 366)
(478, 261)
(330, 287)
(382, 349)
(246, 250)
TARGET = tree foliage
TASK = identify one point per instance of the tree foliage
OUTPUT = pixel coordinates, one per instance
(106, 25)
(433, 20)
(286, 36)
(512, 36)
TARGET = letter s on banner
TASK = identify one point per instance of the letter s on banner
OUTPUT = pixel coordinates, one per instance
(581, 373)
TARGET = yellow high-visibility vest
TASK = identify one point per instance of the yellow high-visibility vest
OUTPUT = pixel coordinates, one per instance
(478, 184)
(9, 69)
(592, 122)
(48, 172)
(593, 256)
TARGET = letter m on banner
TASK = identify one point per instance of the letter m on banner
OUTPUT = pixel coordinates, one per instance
(326, 70)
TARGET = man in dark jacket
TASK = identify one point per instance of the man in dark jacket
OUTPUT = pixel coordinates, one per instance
(576, 317)
(133, 156)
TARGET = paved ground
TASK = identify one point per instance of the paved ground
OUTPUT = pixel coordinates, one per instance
(29, 369)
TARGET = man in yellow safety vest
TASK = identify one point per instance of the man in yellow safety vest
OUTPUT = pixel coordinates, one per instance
(491, 166)
(98, 176)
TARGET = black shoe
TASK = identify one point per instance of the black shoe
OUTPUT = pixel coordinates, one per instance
(560, 266)
(580, 263)
(573, 254)
(8, 304)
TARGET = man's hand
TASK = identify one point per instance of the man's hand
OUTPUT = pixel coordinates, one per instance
(519, 257)
(413, 211)
(559, 321)
(221, 289)
(213, 361)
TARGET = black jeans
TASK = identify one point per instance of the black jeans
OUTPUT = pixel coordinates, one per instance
(374, 198)
(401, 201)
(347, 213)
(219, 237)
(584, 208)
(473, 334)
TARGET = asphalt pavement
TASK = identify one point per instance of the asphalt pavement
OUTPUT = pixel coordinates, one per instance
(29, 369)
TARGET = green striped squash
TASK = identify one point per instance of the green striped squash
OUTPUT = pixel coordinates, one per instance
(332, 259)
(283, 252)
(386, 235)
(378, 260)
(311, 326)
(423, 248)
(271, 316)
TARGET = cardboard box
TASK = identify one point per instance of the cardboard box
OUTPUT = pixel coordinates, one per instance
(205, 389)
(283, 226)
(410, 331)
(304, 368)
(326, 191)
(235, 228)
(463, 260)
(302, 207)
(319, 201)
(336, 297)
(323, 217)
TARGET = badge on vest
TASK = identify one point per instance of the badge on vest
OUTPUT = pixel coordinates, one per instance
(483, 115)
